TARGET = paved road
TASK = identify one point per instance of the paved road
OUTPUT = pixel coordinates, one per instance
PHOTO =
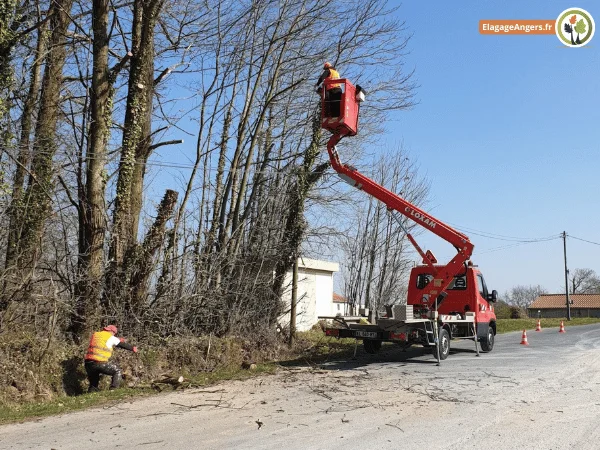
(544, 396)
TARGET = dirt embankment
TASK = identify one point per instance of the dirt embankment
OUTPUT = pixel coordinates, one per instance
(35, 369)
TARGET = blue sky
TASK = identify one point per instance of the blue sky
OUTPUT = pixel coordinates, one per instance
(507, 130)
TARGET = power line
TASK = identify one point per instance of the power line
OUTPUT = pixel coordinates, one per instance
(483, 232)
(517, 244)
(522, 240)
(501, 237)
(520, 243)
(584, 240)
(506, 247)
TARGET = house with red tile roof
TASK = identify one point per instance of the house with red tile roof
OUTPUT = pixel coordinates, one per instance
(555, 305)
(339, 305)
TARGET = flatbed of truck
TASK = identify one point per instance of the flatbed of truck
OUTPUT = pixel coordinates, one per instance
(426, 331)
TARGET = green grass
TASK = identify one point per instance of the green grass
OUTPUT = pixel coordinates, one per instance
(210, 378)
(508, 325)
(315, 342)
(17, 413)
(316, 348)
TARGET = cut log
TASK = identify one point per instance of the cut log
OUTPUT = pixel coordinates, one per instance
(170, 380)
(176, 382)
(248, 366)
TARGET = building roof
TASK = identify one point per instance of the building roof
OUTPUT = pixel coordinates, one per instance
(558, 301)
(337, 298)
(315, 264)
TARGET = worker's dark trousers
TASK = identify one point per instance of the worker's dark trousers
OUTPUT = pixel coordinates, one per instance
(332, 102)
(94, 369)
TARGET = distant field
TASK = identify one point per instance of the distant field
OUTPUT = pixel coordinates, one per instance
(508, 325)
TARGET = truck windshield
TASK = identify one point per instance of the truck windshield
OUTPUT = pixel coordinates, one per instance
(459, 283)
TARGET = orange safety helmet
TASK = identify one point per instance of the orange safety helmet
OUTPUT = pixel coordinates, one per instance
(111, 328)
(327, 65)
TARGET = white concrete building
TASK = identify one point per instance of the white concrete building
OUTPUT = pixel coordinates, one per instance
(315, 293)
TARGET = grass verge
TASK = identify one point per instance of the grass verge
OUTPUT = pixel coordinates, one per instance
(508, 325)
(66, 404)
(57, 388)
(25, 411)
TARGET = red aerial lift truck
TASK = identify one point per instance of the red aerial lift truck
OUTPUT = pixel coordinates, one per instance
(444, 302)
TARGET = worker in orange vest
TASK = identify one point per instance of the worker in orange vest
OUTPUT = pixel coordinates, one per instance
(333, 94)
(98, 355)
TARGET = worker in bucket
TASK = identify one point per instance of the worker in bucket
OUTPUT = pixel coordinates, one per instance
(98, 356)
(333, 94)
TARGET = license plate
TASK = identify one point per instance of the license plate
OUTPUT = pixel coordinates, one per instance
(366, 334)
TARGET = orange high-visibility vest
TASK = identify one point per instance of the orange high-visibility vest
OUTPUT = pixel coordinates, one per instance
(333, 75)
(98, 350)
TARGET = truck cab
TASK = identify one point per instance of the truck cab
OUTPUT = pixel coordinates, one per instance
(467, 294)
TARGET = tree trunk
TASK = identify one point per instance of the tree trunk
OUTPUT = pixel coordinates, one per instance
(295, 223)
(23, 158)
(136, 143)
(38, 197)
(136, 135)
(8, 27)
(144, 264)
(91, 257)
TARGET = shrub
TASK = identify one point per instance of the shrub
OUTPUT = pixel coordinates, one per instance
(502, 310)
(517, 313)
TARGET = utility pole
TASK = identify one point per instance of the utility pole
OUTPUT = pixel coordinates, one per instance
(564, 235)
(293, 303)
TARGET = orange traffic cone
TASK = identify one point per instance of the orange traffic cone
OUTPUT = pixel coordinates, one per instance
(538, 327)
(562, 327)
(524, 338)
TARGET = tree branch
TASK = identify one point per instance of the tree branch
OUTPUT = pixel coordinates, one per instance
(66, 188)
(160, 144)
(114, 72)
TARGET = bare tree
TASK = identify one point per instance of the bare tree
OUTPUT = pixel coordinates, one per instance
(12, 16)
(378, 257)
(91, 208)
(38, 196)
(522, 296)
(216, 261)
(136, 147)
(259, 144)
(24, 149)
(136, 136)
(584, 281)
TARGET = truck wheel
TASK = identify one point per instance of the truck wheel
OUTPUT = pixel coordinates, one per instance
(444, 338)
(371, 346)
(487, 343)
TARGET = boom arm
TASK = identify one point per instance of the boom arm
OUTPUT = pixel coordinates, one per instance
(442, 277)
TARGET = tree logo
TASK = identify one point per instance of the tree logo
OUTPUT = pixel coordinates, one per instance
(575, 27)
